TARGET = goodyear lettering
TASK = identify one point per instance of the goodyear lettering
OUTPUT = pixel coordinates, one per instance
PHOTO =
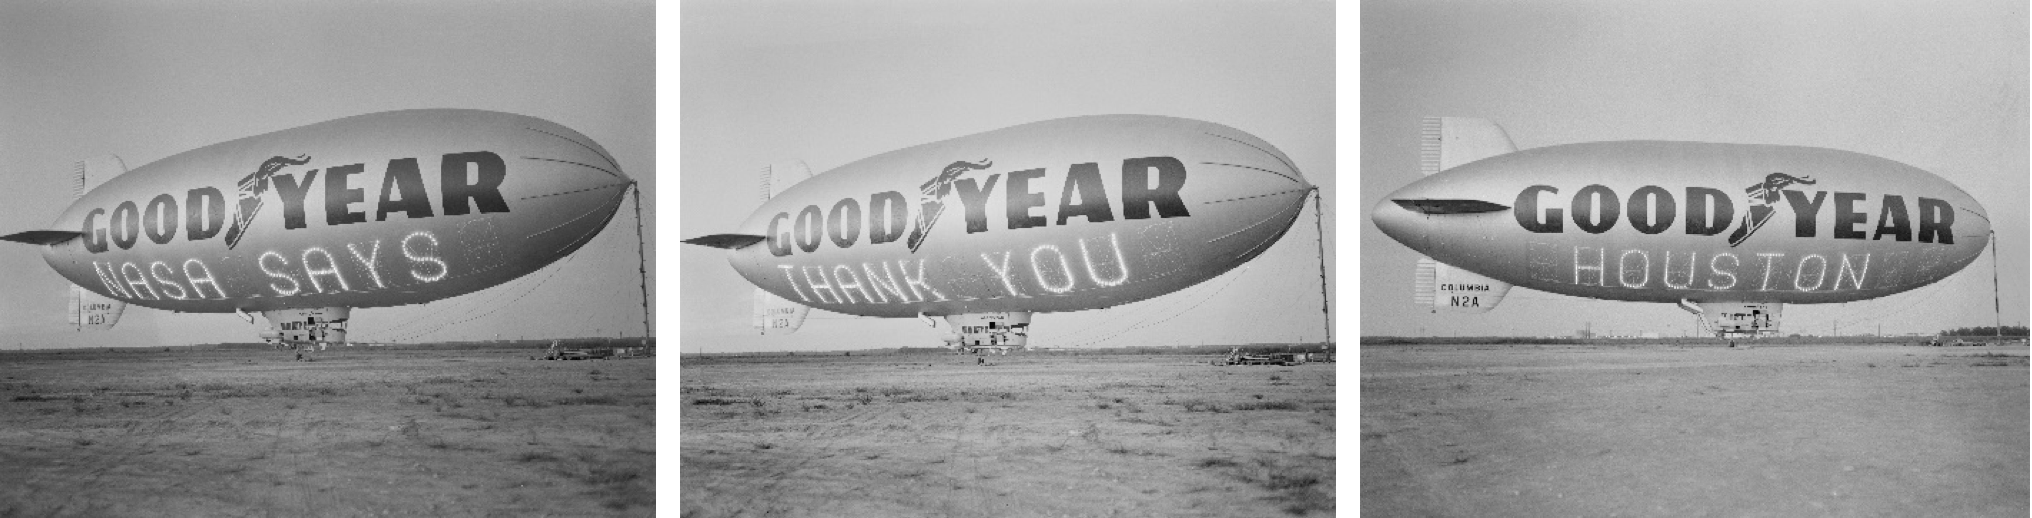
(1151, 187)
(470, 182)
(1652, 209)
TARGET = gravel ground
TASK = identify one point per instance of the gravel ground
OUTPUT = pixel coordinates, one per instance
(1029, 434)
(357, 433)
(1769, 430)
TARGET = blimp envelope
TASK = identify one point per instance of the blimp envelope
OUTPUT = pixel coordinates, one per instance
(1691, 222)
(1060, 215)
(374, 210)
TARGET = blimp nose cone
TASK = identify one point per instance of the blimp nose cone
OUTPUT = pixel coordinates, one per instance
(567, 187)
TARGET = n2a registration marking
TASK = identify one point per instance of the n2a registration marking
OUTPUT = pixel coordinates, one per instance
(1465, 301)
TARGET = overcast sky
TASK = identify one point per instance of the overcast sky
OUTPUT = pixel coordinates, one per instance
(830, 82)
(145, 80)
(1941, 86)
(1937, 85)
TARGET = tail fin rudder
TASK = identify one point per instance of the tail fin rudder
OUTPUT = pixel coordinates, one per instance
(776, 315)
(1444, 287)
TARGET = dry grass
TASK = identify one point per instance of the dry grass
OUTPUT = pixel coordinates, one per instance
(1033, 435)
(1660, 430)
(394, 432)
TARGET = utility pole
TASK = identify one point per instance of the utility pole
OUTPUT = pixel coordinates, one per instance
(1319, 230)
(1996, 297)
(641, 261)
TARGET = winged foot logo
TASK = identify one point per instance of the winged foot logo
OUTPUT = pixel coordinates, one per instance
(1762, 196)
(933, 202)
(250, 200)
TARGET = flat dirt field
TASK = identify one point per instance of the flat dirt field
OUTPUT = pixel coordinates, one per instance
(360, 432)
(1662, 430)
(1032, 434)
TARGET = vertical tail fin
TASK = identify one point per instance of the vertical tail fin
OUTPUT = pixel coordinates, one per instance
(91, 311)
(775, 178)
(1448, 142)
(87, 310)
(777, 316)
(92, 172)
(1444, 287)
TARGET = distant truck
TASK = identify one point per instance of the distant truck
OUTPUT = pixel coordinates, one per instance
(1235, 357)
(557, 351)
(1956, 342)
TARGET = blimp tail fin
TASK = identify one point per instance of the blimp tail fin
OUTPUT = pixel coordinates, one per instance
(86, 175)
(776, 178)
(91, 311)
(1444, 287)
(1448, 142)
(92, 172)
(772, 180)
(42, 237)
(727, 241)
(776, 315)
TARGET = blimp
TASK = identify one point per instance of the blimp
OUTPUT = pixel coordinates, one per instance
(1728, 232)
(302, 225)
(987, 230)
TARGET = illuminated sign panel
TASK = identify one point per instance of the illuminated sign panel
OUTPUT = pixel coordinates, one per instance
(361, 267)
(1041, 270)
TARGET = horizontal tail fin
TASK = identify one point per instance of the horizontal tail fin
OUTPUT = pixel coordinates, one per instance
(43, 237)
(86, 175)
(727, 241)
(771, 180)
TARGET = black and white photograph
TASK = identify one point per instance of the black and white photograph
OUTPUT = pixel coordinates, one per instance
(326, 258)
(1007, 259)
(1051, 258)
(1701, 258)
